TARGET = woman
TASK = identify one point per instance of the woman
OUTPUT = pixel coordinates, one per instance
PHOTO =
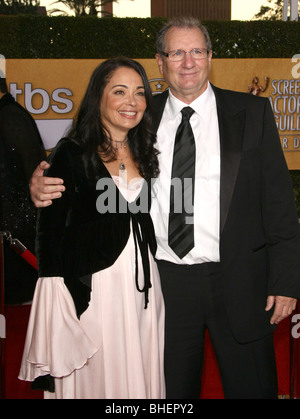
(97, 318)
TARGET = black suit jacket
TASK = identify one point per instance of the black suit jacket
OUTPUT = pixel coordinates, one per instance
(259, 230)
(21, 150)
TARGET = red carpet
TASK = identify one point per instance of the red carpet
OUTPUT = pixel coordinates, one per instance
(16, 324)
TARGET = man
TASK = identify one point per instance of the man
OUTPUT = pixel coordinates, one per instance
(240, 276)
(21, 149)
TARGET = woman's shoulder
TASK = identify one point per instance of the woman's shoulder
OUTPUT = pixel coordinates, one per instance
(66, 145)
(63, 156)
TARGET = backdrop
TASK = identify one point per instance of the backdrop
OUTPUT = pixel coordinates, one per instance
(51, 90)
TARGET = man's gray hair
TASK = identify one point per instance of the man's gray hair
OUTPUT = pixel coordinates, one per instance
(181, 22)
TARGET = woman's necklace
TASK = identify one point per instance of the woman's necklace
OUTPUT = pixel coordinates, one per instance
(121, 144)
(122, 164)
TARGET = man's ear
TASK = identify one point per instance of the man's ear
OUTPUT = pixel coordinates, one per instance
(159, 62)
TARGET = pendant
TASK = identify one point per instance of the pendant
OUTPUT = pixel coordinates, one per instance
(122, 167)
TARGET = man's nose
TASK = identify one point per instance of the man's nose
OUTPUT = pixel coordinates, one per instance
(188, 60)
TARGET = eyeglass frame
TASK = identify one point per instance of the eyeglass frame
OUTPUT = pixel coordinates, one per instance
(167, 54)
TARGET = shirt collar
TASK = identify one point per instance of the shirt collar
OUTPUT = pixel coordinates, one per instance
(201, 105)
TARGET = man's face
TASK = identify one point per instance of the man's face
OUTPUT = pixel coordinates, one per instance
(188, 78)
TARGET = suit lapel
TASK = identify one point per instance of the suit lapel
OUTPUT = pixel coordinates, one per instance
(231, 126)
(158, 106)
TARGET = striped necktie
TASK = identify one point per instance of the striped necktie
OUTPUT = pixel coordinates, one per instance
(181, 219)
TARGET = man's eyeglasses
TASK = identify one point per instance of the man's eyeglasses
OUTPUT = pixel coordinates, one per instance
(179, 54)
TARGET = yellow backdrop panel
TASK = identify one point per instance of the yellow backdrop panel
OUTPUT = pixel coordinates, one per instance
(51, 90)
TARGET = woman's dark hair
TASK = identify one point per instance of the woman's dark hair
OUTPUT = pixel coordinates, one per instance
(89, 131)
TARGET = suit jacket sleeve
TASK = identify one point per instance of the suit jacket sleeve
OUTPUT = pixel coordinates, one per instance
(19, 132)
(279, 214)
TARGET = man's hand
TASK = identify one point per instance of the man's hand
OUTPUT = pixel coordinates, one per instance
(44, 189)
(284, 306)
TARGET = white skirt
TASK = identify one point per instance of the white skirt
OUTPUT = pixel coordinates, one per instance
(115, 350)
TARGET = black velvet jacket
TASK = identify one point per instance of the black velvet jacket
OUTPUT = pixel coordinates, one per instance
(74, 240)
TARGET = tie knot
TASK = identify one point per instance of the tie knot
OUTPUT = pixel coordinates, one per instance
(187, 112)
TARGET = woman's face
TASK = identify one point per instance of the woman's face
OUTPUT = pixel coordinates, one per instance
(123, 102)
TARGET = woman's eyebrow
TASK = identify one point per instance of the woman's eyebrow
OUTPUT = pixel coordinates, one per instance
(126, 87)
(120, 85)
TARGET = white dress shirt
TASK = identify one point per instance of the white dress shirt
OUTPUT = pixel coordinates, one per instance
(205, 127)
